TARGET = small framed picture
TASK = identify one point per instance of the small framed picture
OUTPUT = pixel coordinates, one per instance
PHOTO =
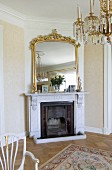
(44, 88)
(71, 88)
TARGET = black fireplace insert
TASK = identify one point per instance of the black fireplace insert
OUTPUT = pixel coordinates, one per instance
(57, 119)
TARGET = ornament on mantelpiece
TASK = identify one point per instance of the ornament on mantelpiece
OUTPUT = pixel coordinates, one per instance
(79, 85)
(57, 81)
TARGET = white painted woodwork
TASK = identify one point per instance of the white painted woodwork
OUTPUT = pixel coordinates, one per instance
(34, 115)
(1, 83)
(107, 89)
(58, 139)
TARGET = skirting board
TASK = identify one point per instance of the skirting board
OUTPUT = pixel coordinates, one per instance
(48, 140)
(97, 130)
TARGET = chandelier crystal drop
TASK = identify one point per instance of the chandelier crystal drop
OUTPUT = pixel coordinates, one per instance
(91, 26)
(95, 29)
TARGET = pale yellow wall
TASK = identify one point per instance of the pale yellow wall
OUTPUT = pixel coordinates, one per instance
(14, 81)
(14, 77)
(93, 64)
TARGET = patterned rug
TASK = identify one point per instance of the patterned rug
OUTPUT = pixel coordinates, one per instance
(76, 157)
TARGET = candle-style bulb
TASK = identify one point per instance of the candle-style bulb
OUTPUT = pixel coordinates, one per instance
(107, 5)
(81, 16)
(78, 11)
(91, 6)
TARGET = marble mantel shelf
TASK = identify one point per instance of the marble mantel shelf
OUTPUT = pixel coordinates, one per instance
(34, 113)
(56, 93)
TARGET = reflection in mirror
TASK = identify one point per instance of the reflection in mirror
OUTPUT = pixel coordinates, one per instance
(54, 58)
(41, 76)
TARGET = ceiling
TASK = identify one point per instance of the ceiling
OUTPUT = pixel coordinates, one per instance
(55, 9)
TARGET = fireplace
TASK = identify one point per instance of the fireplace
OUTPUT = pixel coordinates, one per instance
(57, 119)
(68, 120)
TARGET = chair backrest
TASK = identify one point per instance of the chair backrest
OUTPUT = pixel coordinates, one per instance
(9, 149)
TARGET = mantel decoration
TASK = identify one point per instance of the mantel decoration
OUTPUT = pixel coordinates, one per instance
(79, 86)
(95, 29)
(52, 37)
(57, 81)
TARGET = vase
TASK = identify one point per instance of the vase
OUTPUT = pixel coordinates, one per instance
(57, 88)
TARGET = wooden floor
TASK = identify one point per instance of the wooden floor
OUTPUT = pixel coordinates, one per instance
(46, 151)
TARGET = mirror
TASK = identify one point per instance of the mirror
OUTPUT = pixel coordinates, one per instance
(55, 58)
(51, 55)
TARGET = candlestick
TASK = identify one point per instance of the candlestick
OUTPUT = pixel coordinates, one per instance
(107, 5)
(78, 12)
(91, 6)
(81, 16)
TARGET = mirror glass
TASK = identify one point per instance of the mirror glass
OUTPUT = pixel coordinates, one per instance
(54, 58)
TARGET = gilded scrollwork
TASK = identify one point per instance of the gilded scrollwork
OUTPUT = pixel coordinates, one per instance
(54, 36)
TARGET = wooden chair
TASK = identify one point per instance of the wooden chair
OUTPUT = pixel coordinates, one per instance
(9, 148)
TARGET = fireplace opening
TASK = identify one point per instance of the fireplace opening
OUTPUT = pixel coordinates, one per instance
(57, 119)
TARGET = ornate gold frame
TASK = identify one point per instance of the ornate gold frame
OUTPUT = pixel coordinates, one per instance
(53, 37)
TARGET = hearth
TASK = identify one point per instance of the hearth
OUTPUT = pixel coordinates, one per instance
(57, 119)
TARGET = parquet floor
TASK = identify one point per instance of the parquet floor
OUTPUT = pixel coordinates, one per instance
(46, 151)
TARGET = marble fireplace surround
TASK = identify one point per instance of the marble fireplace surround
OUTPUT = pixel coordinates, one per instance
(34, 115)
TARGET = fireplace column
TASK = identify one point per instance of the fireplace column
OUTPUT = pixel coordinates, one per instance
(79, 116)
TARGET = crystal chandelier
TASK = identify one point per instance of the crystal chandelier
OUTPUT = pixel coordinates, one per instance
(41, 75)
(95, 29)
(78, 27)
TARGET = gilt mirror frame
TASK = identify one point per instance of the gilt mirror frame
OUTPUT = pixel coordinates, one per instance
(53, 37)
